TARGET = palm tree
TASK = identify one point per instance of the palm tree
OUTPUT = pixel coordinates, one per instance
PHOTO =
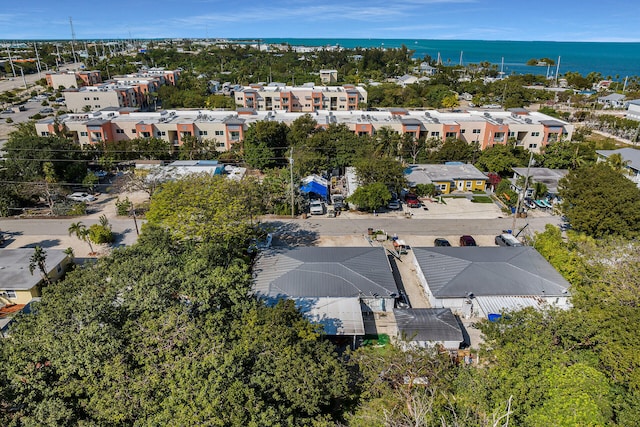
(38, 260)
(617, 163)
(79, 230)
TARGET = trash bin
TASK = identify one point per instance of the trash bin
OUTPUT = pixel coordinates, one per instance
(370, 231)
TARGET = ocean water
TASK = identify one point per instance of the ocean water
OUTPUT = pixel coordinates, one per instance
(609, 59)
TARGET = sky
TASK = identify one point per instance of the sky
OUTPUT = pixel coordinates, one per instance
(541, 20)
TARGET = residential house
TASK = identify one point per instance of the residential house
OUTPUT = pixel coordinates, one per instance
(406, 79)
(614, 100)
(452, 176)
(425, 69)
(630, 159)
(479, 281)
(17, 284)
(334, 285)
(428, 327)
(549, 177)
(633, 109)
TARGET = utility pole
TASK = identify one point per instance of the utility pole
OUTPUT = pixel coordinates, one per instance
(526, 186)
(73, 40)
(11, 62)
(35, 47)
(291, 172)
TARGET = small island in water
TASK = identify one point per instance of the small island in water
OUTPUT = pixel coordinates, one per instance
(542, 62)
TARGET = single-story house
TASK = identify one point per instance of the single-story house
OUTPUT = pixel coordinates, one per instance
(478, 281)
(406, 79)
(428, 327)
(17, 284)
(546, 176)
(331, 286)
(631, 157)
(182, 168)
(633, 109)
(452, 176)
(614, 100)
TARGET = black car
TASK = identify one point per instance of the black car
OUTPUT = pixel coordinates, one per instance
(441, 242)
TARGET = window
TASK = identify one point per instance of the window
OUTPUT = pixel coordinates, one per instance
(86, 98)
(8, 294)
(435, 133)
(533, 145)
(535, 133)
(220, 145)
(479, 182)
(219, 132)
(450, 135)
(119, 130)
(462, 130)
(476, 131)
(204, 132)
(511, 133)
(95, 98)
(443, 187)
(468, 184)
(133, 131)
(44, 133)
(83, 134)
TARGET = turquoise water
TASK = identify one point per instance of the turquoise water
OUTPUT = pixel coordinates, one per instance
(609, 59)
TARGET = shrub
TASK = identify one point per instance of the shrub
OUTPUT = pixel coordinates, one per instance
(66, 208)
(9, 120)
(100, 234)
(123, 206)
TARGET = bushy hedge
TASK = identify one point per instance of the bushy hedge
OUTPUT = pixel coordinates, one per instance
(100, 234)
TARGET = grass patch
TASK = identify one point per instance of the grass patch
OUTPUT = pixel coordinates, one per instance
(482, 199)
(376, 340)
(454, 196)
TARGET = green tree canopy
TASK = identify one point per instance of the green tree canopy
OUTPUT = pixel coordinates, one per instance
(601, 202)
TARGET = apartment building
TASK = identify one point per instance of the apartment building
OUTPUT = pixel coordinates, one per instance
(306, 98)
(73, 79)
(530, 130)
(101, 96)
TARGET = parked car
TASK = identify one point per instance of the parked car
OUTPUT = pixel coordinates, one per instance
(46, 110)
(316, 207)
(506, 239)
(441, 242)
(467, 240)
(338, 201)
(412, 200)
(394, 204)
(81, 197)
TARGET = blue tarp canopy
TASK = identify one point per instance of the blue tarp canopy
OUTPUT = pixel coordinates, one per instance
(315, 187)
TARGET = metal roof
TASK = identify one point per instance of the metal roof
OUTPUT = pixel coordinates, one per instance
(513, 303)
(428, 324)
(324, 272)
(429, 173)
(338, 316)
(455, 272)
(631, 155)
(14, 268)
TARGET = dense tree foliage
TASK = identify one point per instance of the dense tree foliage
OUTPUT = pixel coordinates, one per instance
(167, 333)
(500, 158)
(601, 201)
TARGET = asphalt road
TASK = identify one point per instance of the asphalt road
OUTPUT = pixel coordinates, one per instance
(343, 226)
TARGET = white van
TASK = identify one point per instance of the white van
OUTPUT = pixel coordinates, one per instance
(506, 239)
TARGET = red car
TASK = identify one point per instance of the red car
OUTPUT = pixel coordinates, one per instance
(412, 201)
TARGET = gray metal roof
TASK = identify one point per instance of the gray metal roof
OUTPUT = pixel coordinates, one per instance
(14, 268)
(549, 177)
(428, 324)
(631, 155)
(324, 272)
(454, 272)
(510, 303)
(338, 316)
(429, 173)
